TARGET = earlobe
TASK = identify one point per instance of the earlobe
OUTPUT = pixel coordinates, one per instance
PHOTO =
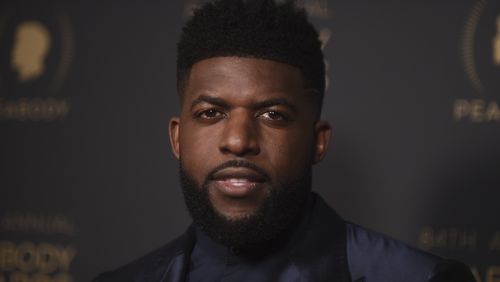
(174, 135)
(323, 132)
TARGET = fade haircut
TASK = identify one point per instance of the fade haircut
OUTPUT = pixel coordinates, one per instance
(261, 29)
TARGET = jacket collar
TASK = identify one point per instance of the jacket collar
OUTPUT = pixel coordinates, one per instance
(172, 263)
(319, 250)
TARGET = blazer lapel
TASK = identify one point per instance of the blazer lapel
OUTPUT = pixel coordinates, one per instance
(173, 265)
(177, 269)
(320, 251)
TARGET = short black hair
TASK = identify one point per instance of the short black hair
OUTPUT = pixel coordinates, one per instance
(265, 29)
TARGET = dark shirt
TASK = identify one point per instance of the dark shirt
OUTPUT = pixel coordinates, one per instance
(211, 262)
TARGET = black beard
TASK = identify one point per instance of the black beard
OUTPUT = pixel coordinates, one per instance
(277, 213)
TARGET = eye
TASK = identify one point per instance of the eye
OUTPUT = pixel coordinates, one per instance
(273, 116)
(210, 114)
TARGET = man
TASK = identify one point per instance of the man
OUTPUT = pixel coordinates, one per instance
(251, 83)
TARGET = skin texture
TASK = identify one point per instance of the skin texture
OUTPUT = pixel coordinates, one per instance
(246, 110)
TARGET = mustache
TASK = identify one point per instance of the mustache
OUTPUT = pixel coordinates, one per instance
(238, 163)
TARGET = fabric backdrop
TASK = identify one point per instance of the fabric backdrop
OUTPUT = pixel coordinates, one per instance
(87, 179)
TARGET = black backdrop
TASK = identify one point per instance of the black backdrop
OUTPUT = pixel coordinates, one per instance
(87, 87)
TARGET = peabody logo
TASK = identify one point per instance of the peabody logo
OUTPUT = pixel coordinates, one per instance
(496, 44)
(481, 61)
(31, 45)
(36, 50)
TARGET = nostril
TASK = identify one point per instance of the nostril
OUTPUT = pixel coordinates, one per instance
(239, 145)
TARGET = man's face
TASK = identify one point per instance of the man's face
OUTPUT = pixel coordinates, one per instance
(247, 126)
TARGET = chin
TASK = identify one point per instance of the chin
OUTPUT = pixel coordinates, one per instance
(236, 213)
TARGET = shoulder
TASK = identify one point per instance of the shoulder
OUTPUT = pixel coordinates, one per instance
(378, 257)
(145, 268)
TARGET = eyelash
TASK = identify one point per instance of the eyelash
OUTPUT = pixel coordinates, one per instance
(219, 114)
(281, 117)
(215, 111)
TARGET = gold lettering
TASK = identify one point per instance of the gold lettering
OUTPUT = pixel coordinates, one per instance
(440, 239)
(23, 108)
(40, 223)
(47, 258)
(62, 224)
(461, 109)
(26, 257)
(37, 112)
(426, 238)
(451, 238)
(471, 240)
(7, 256)
(493, 112)
(19, 277)
(63, 277)
(477, 108)
(37, 221)
(496, 44)
(29, 257)
(35, 109)
(40, 277)
(9, 110)
(65, 256)
(493, 274)
(495, 242)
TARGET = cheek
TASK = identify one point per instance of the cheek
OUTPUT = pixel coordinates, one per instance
(291, 153)
(197, 152)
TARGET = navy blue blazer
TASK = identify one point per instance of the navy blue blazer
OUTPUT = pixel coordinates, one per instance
(332, 250)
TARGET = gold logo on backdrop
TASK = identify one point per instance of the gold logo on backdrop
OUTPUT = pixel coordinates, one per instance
(38, 52)
(460, 239)
(468, 47)
(48, 258)
(31, 45)
(496, 44)
(481, 61)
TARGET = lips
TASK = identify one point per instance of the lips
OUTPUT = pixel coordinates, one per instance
(237, 182)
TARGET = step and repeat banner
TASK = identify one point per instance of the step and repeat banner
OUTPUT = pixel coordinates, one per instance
(87, 180)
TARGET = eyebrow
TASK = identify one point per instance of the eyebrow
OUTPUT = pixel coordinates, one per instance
(259, 105)
(210, 100)
(274, 102)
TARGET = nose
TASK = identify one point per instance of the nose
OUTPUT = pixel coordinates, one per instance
(240, 135)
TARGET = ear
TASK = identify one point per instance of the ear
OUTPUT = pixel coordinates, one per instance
(174, 135)
(323, 132)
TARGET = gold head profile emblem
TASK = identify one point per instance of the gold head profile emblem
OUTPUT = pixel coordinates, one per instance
(31, 45)
(496, 44)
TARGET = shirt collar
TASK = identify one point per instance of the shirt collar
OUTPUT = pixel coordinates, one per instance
(317, 246)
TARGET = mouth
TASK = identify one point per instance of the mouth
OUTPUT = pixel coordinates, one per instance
(237, 182)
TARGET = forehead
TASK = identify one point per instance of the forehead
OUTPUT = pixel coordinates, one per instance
(244, 76)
